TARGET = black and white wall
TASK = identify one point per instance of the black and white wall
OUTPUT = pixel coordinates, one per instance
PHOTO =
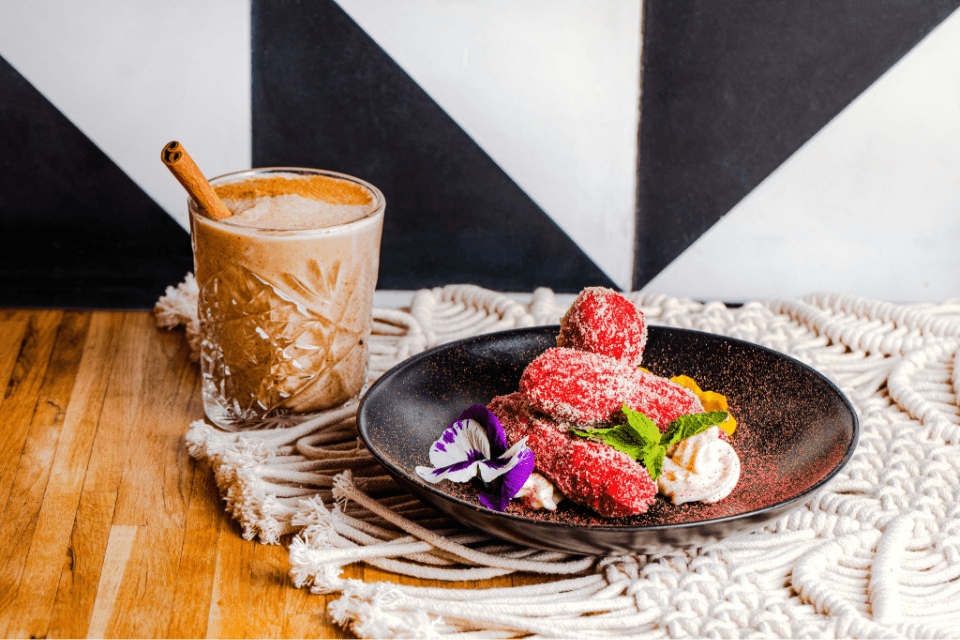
(776, 148)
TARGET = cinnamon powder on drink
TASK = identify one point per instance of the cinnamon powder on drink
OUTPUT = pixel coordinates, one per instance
(315, 187)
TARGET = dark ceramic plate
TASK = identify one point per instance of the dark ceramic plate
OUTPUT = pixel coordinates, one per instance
(796, 431)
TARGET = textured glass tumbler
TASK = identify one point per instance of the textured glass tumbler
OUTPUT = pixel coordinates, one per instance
(285, 314)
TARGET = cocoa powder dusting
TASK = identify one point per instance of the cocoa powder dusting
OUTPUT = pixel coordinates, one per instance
(315, 187)
(767, 478)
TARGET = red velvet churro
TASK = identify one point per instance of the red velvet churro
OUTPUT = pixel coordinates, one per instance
(585, 388)
(603, 321)
(577, 386)
(661, 400)
(587, 380)
(590, 473)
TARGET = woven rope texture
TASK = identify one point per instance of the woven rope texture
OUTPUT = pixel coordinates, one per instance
(876, 553)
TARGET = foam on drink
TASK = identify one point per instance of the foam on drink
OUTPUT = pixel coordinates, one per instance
(289, 201)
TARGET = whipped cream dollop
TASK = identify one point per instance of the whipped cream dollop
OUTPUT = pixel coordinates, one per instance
(702, 468)
(539, 493)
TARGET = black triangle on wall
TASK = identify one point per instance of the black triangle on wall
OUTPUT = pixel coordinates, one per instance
(731, 89)
(326, 95)
(77, 231)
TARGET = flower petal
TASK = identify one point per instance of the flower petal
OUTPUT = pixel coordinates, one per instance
(514, 479)
(523, 464)
(464, 449)
(463, 471)
(492, 469)
(519, 446)
(462, 440)
(490, 422)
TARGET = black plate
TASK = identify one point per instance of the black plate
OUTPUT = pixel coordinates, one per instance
(796, 431)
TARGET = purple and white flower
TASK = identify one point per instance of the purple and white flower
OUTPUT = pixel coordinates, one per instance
(474, 445)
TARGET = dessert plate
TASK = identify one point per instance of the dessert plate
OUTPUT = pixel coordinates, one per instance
(796, 431)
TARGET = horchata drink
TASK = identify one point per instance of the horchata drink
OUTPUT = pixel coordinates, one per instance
(286, 293)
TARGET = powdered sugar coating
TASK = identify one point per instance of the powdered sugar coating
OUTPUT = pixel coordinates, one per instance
(602, 321)
(660, 399)
(589, 473)
(577, 386)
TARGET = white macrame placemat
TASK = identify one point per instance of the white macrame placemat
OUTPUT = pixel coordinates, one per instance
(876, 553)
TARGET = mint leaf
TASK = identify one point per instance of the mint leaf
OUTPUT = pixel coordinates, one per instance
(622, 438)
(639, 439)
(652, 459)
(690, 425)
(625, 439)
(643, 425)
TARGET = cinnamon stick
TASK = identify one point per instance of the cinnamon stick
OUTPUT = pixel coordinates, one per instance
(185, 170)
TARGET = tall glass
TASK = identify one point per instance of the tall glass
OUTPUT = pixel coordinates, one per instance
(285, 313)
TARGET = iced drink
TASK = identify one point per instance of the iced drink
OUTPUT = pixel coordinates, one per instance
(286, 292)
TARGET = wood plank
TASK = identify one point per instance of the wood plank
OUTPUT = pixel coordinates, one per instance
(29, 480)
(143, 605)
(78, 592)
(157, 481)
(127, 378)
(231, 586)
(46, 404)
(268, 585)
(13, 334)
(25, 350)
(198, 559)
(116, 555)
(144, 422)
(156, 485)
(92, 551)
(142, 454)
(48, 554)
(110, 529)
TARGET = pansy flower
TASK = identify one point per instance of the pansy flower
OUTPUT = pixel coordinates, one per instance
(475, 445)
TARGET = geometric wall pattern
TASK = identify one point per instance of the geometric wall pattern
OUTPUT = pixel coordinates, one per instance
(513, 143)
(867, 205)
(549, 89)
(731, 90)
(325, 94)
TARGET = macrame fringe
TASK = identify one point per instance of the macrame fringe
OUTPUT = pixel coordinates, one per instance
(876, 553)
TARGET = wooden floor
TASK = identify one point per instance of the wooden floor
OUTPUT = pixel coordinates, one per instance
(109, 528)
